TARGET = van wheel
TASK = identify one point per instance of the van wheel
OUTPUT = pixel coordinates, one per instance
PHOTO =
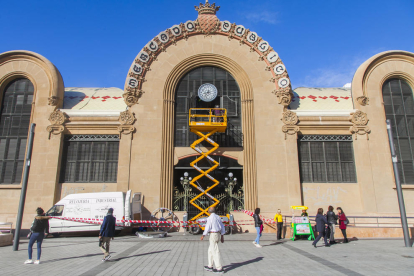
(56, 235)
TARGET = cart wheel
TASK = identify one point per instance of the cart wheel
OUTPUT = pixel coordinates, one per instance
(227, 230)
(195, 230)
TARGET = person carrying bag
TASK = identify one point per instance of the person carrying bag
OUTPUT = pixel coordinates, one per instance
(39, 226)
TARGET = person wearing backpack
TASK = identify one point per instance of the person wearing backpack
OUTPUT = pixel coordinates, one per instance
(40, 225)
(343, 221)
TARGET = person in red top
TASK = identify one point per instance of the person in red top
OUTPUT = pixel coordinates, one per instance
(342, 225)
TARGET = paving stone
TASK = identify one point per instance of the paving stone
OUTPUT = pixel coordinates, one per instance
(186, 255)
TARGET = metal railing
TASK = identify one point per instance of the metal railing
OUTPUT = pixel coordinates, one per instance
(366, 221)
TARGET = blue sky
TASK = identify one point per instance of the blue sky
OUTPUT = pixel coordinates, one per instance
(93, 43)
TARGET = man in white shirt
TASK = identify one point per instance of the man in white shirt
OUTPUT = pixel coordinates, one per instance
(215, 227)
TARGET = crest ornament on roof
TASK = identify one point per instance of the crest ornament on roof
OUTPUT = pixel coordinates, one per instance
(207, 8)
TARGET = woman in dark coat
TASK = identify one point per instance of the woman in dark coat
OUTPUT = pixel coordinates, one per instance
(342, 225)
(39, 227)
(320, 227)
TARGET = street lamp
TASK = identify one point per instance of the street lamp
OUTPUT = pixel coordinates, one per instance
(185, 182)
(231, 183)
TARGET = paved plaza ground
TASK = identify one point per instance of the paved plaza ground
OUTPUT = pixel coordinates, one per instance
(181, 254)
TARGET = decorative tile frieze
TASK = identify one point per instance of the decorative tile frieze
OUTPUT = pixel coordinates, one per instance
(206, 24)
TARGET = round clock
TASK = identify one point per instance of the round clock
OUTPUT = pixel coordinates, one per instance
(207, 92)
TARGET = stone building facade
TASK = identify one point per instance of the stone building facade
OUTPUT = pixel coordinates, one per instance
(289, 137)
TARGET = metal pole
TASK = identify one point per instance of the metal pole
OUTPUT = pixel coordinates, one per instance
(398, 186)
(24, 189)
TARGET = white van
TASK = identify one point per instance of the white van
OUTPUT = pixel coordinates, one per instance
(88, 205)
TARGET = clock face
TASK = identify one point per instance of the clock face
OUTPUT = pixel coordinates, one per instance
(207, 92)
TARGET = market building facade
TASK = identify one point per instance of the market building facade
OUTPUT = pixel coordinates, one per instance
(310, 146)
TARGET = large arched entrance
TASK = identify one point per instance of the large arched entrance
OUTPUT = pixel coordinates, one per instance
(229, 191)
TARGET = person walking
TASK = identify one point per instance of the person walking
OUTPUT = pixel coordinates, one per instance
(332, 218)
(107, 233)
(320, 227)
(257, 224)
(39, 226)
(214, 227)
(279, 223)
(342, 224)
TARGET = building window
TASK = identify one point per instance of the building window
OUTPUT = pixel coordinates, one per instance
(326, 159)
(228, 97)
(399, 108)
(14, 125)
(90, 158)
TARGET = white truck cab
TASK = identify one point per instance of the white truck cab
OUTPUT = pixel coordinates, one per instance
(88, 205)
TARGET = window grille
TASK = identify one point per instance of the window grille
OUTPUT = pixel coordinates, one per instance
(14, 125)
(90, 158)
(228, 97)
(399, 108)
(326, 159)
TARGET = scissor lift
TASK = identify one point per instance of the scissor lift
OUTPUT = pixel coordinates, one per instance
(202, 120)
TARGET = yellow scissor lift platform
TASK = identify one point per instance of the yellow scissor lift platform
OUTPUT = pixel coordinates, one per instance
(210, 120)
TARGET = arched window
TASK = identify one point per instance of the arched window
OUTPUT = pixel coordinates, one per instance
(399, 108)
(228, 97)
(14, 125)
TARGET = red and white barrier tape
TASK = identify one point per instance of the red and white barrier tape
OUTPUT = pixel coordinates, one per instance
(99, 221)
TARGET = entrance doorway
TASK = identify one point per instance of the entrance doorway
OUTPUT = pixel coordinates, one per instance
(229, 191)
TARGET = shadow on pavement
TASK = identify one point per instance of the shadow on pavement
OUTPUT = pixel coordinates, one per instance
(138, 255)
(275, 243)
(237, 265)
(70, 258)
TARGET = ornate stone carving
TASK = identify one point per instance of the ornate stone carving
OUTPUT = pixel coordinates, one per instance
(207, 8)
(126, 118)
(55, 129)
(363, 100)
(57, 118)
(360, 130)
(290, 118)
(290, 130)
(284, 96)
(360, 121)
(53, 100)
(132, 96)
(359, 118)
(126, 129)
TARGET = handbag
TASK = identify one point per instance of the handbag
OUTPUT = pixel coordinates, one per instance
(346, 221)
(31, 232)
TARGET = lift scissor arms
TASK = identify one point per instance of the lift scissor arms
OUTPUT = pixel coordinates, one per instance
(210, 126)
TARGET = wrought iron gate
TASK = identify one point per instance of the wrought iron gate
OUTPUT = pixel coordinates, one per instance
(228, 202)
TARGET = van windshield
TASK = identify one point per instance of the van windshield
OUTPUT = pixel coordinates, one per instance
(55, 211)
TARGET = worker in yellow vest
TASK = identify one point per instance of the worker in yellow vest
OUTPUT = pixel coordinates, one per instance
(279, 222)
